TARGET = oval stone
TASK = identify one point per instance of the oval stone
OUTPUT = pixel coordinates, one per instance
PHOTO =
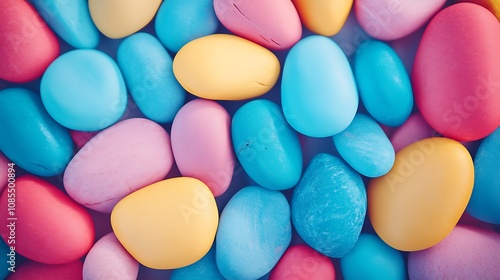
(417, 204)
(484, 203)
(329, 206)
(253, 234)
(179, 22)
(323, 17)
(205, 269)
(118, 19)
(390, 20)
(70, 20)
(147, 69)
(372, 259)
(50, 227)
(30, 137)
(365, 147)
(318, 100)
(167, 225)
(119, 160)
(226, 67)
(201, 143)
(272, 24)
(84, 90)
(109, 260)
(33, 270)
(384, 85)
(466, 253)
(28, 45)
(457, 90)
(302, 262)
(266, 146)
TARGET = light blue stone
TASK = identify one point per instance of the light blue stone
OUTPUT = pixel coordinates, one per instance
(179, 22)
(484, 203)
(71, 20)
(29, 136)
(372, 259)
(329, 206)
(205, 268)
(147, 69)
(384, 85)
(84, 90)
(266, 146)
(254, 232)
(365, 147)
(318, 91)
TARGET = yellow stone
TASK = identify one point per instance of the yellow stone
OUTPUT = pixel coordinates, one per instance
(419, 202)
(169, 224)
(120, 18)
(324, 17)
(225, 67)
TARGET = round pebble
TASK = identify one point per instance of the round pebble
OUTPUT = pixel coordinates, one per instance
(30, 137)
(147, 69)
(419, 202)
(456, 103)
(201, 143)
(179, 22)
(365, 147)
(70, 20)
(266, 146)
(384, 86)
(226, 67)
(84, 90)
(272, 24)
(323, 17)
(39, 271)
(50, 227)
(329, 206)
(253, 234)
(28, 45)
(118, 19)
(206, 269)
(318, 100)
(109, 260)
(167, 225)
(484, 203)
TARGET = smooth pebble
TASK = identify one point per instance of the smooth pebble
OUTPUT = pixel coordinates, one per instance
(365, 147)
(205, 269)
(147, 69)
(318, 100)
(38, 271)
(253, 234)
(267, 148)
(323, 17)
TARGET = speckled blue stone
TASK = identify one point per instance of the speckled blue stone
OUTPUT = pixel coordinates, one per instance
(329, 206)
(205, 268)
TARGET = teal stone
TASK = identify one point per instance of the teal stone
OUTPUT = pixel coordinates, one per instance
(329, 206)
(147, 69)
(205, 268)
(84, 90)
(29, 136)
(71, 20)
(267, 148)
(365, 147)
(372, 259)
(484, 203)
(318, 91)
(384, 84)
(254, 232)
(179, 22)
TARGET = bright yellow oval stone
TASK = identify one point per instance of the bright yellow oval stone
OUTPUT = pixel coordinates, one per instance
(225, 67)
(169, 224)
(120, 18)
(324, 17)
(419, 202)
